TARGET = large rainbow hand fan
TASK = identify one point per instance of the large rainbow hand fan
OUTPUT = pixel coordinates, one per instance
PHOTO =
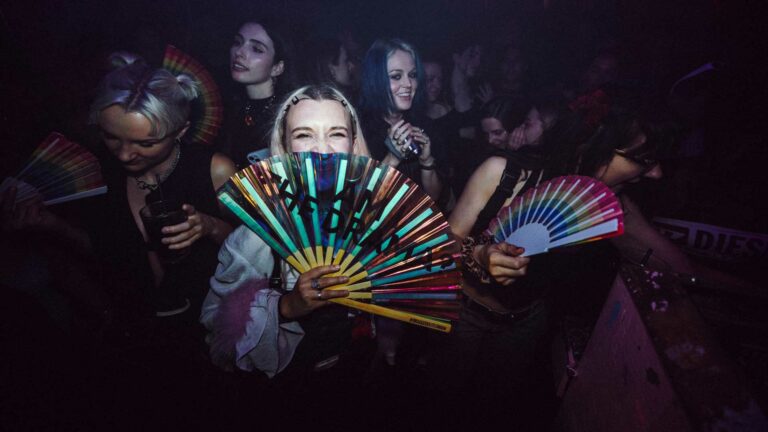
(562, 211)
(382, 230)
(59, 170)
(207, 109)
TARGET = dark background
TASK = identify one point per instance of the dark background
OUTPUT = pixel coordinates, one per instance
(53, 51)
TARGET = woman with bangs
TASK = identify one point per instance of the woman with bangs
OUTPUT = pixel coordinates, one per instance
(393, 109)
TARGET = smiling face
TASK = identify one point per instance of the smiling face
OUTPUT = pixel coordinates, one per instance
(128, 137)
(252, 56)
(401, 69)
(434, 79)
(494, 132)
(318, 126)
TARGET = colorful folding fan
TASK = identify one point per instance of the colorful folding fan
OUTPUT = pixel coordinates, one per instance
(207, 109)
(562, 211)
(59, 170)
(383, 231)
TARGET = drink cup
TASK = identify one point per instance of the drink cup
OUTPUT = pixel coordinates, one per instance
(161, 214)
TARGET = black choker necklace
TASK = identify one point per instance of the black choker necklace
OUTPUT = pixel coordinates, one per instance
(250, 107)
(141, 184)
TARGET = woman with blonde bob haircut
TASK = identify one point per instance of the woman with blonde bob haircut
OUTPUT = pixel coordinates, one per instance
(263, 316)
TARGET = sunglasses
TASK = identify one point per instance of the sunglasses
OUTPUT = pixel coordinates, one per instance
(646, 161)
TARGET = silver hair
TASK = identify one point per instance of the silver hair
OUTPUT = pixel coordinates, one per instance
(156, 94)
(277, 141)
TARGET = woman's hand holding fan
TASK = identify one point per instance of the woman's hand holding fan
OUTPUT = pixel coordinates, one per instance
(381, 230)
(27, 214)
(562, 211)
(503, 261)
(309, 292)
(59, 170)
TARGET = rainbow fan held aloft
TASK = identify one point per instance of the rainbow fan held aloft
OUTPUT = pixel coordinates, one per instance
(59, 170)
(562, 211)
(207, 109)
(383, 231)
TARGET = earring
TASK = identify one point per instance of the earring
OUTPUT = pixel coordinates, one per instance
(274, 82)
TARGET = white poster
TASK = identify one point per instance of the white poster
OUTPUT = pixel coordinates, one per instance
(714, 242)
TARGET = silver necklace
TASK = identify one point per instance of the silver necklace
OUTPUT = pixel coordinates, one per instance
(141, 184)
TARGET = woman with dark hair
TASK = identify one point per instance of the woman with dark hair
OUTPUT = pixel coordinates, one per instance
(437, 104)
(492, 351)
(393, 109)
(331, 64)
(260, 60)
(499, 119)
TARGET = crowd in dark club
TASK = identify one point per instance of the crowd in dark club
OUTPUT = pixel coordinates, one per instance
(209, 328)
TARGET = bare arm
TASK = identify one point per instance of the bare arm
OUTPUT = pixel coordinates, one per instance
(502, 261)
(222, 168)
(199, 224)
(640, 234)
(476, 195)
(33, 214)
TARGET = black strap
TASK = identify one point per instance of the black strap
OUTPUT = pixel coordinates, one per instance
(504, 191)
(276, 278)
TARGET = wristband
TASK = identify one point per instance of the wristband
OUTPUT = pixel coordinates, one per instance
(392, 147)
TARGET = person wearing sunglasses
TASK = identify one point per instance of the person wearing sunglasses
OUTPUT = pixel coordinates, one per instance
(511, 301)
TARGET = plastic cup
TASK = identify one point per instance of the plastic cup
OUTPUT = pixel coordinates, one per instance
(161, 214)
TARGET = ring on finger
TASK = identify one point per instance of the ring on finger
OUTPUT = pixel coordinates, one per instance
(319, 295)
(315, 284)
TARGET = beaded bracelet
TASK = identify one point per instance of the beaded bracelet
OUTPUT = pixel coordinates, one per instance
(468, 260)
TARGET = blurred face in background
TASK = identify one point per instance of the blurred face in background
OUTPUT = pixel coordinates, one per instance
(342, 70)
(602, 70)
(534, 127)
(434, 79)
(468, 61)
(511, 69)
(494, 132)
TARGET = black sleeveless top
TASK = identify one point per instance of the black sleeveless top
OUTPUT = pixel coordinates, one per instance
(565, 273)
(120, 246)
(531, 287)
(246, 128)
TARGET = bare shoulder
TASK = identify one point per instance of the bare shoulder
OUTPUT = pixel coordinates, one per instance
(488, 174)
(476, 194)
(222, 168)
